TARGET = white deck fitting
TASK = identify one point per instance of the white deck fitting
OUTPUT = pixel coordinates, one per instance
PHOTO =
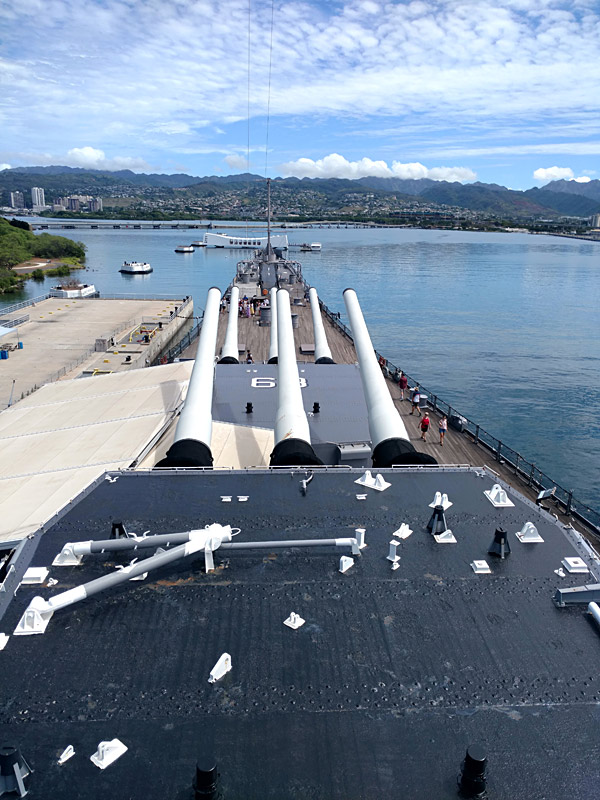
(66, 754)
(35, 575)
(108, 752)
(58, 440)
(575, 565)
(440, 500)
(446, 537)
(360, 537)
(528, 533)
(378, 482)
(392, 554)
(346, 563)
(4, 637)
(481, 567)
(221, 668)
(498, 497)
(294, 621)
(403, 532)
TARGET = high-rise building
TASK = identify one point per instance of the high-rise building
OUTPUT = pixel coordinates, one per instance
(37, 198)
(73, 203)
(595, 221)
(96, 204)
(17, 200)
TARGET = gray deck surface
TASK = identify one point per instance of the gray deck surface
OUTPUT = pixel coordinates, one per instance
(378, 695)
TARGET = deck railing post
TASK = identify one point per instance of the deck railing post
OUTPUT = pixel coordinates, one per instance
(569, 503)
(517, 463)
(498, 449)
(531, 472)
(476, 434)
(434, 405)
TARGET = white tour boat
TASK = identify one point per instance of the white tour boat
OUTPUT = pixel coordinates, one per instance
(136, 267)
(184, 248)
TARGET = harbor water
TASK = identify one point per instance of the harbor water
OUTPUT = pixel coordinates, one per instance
(503, 326)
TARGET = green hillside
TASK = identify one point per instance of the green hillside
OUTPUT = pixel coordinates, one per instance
(17, 244)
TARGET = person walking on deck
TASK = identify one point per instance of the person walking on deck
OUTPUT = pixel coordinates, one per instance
(424, 426)
(443, 427)
(416, 399)
(402, 383)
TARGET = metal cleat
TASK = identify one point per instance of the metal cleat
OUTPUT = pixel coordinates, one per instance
(107, 753)
(221, 668)
(498, 497)
(294, 621)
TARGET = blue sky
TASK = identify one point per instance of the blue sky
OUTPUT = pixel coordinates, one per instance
(451, 89)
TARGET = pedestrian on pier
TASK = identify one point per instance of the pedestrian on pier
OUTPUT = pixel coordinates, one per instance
(416, 399)
(424, 426)
(443, 427)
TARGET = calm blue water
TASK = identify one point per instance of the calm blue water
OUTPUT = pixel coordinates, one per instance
(505, 327)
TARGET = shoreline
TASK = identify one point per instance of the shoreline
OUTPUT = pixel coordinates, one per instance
(45, 265)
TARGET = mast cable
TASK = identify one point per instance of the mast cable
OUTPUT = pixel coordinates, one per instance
(248, 115)
(269, 87)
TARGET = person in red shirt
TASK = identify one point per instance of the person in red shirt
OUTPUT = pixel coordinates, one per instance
(424, 426)
(402, 383)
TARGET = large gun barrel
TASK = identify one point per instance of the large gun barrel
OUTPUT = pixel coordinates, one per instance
(292, 434)
(191, 447)
(322, 351)
(390, 441)
(229, 351)
(273, 349)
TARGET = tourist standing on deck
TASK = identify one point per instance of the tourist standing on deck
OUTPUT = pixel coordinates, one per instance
(402, 383)
(424, 426)
(443, 427)
(416, 399)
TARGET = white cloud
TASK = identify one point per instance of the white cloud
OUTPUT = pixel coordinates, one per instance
(336, 166)
(557, 174)
(559, 148)
(460, 174)
(554, 174)
(171, 128)
(92, 158)
(472, 66)
(236, 162)
(4, 166)
(413, 171)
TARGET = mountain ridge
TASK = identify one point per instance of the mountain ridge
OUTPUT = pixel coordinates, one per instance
(568, 198)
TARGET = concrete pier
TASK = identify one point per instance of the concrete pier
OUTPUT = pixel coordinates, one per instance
(61, 336)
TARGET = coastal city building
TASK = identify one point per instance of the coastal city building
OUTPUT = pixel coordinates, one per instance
(17, 200)
(38, 200)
